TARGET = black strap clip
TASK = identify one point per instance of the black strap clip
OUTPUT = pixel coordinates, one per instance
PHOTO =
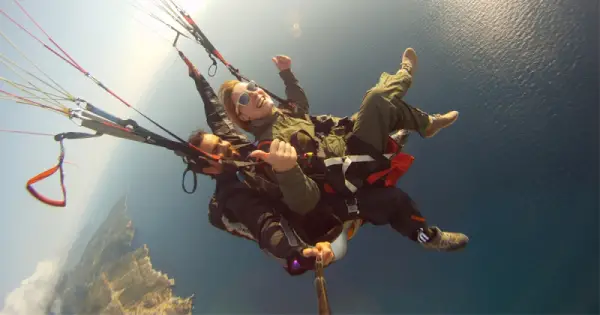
(352, 205)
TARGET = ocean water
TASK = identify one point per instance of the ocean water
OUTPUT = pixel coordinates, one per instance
(518, 172)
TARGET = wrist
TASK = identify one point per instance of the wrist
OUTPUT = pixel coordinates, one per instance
(283, 169)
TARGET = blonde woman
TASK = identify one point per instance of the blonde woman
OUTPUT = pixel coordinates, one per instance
(382, 111)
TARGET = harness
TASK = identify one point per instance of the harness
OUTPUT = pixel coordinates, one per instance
(343, 176)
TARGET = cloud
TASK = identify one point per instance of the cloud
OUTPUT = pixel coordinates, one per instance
(35, 292)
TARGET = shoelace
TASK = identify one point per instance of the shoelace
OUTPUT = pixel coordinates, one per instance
(406, 66)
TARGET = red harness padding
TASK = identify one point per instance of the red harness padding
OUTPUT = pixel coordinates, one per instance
(400, 163)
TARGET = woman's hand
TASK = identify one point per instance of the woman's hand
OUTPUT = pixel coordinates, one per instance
(282, 62)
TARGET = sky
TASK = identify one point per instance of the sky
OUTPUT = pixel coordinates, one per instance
(126, 54)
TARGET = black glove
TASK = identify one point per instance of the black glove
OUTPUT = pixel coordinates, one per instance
(297, 264)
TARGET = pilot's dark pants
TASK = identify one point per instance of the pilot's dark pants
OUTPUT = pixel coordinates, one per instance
(381, 206)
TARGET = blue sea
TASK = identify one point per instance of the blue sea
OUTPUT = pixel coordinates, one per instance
(518, 172)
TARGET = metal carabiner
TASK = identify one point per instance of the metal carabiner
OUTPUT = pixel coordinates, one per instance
(76, 113)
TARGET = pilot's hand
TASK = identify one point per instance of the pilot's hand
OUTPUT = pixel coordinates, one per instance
(321, 248)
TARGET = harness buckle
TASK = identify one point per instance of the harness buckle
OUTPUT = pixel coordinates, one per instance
(352, 205)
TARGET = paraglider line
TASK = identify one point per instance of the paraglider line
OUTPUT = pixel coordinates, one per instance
(86, 73)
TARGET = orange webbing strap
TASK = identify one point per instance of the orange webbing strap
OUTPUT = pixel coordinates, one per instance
(58, 167)
(264, 145)
(46, 174)
(192, 69)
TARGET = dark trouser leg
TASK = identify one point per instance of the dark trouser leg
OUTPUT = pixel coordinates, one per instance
(388, 205)
(383, 111)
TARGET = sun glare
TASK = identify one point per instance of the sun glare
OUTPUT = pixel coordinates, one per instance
(193, 7)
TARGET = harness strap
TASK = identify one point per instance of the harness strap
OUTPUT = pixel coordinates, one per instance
(335, 169)
(289, 233)
(346, 161)
(399, 163)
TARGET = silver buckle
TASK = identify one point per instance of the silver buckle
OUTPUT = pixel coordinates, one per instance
(352, 205)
